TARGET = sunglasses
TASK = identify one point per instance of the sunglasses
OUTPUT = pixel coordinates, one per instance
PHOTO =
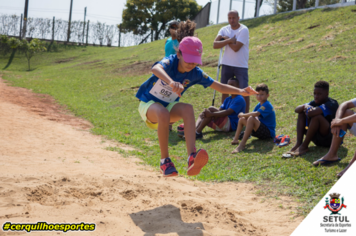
(173, 27)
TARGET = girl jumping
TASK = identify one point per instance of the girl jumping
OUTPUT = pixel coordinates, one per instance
(160, 94)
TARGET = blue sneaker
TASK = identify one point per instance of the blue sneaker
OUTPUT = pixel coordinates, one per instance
(168, 169)
(285, 141)
(278, 139)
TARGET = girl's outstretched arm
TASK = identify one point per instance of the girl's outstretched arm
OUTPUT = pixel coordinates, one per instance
(228, 89)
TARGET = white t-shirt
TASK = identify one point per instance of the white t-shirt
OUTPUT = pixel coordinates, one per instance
(239, 58)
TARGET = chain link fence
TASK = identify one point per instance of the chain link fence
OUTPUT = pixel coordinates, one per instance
(97, 33)
(91, 33)
(247, 8)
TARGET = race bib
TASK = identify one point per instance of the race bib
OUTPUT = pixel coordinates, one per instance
(163, 91)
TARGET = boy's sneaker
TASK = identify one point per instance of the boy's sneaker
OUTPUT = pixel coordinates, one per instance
(278, 139)
(168, 169)
(285, 141)
(196, 161)
(180, 130)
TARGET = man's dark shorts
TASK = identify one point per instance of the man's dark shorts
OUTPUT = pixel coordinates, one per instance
(262, 132)
(323, 140)
(241, 74)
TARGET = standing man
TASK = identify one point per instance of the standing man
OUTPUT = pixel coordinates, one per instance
(235, 38)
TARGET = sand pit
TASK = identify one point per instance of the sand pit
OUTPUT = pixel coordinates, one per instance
(53, 169)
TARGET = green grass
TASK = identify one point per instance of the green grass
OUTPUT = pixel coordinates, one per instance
(100, 84)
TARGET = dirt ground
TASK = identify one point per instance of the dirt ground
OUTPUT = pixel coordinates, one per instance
(53, 169)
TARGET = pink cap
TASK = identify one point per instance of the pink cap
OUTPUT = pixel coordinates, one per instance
(191, 48)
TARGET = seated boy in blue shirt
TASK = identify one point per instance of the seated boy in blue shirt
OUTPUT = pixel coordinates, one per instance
(314, 119)
(225, 118)
(260, 123)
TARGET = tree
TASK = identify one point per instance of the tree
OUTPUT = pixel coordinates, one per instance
(12, 44)
(99, 32)
(4, 46)
(31, 48)
(14, 24)
(44, 27)
(63, 31)
(31, 27)
(76, 30)
(142, 16)
(5, 23)
(109, 34)
(58, 25)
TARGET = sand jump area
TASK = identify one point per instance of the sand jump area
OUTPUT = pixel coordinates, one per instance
(53, 169)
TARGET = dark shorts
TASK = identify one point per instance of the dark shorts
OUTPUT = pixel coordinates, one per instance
(321, 140)
(241, 74)
(262, 132)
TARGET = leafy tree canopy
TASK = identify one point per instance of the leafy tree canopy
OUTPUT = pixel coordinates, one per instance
(142, 16)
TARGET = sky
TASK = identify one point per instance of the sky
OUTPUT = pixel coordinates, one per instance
(109, 11)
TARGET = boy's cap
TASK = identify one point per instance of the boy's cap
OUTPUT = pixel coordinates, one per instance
(192, 49)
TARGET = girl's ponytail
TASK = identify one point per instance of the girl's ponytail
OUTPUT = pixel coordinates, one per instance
(185, 28)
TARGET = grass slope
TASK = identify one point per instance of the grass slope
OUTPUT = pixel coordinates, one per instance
(289, 52)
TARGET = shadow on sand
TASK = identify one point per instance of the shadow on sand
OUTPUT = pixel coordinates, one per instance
(165, 219)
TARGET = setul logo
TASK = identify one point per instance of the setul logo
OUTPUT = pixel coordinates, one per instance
(334, 205)
(335, 222)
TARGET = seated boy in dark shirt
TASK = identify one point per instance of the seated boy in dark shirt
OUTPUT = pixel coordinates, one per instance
(224, 118)
(314, 119)
(345, 119)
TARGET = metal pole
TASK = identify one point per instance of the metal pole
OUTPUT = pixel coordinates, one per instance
(151, 35)
(209, 13)
(217, 18)
(85, 14)
(243, 9)
(25, 19)
(258, 8)
(70, 19)
(87, 31)
(294, 5)
(275, 6)
(230, 5)
(21, 27)
(217, 74)
(316, 3)
(54, 19)
(119, 35)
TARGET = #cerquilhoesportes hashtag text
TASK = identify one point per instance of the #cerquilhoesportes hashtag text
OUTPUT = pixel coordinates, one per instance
(44, 226)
